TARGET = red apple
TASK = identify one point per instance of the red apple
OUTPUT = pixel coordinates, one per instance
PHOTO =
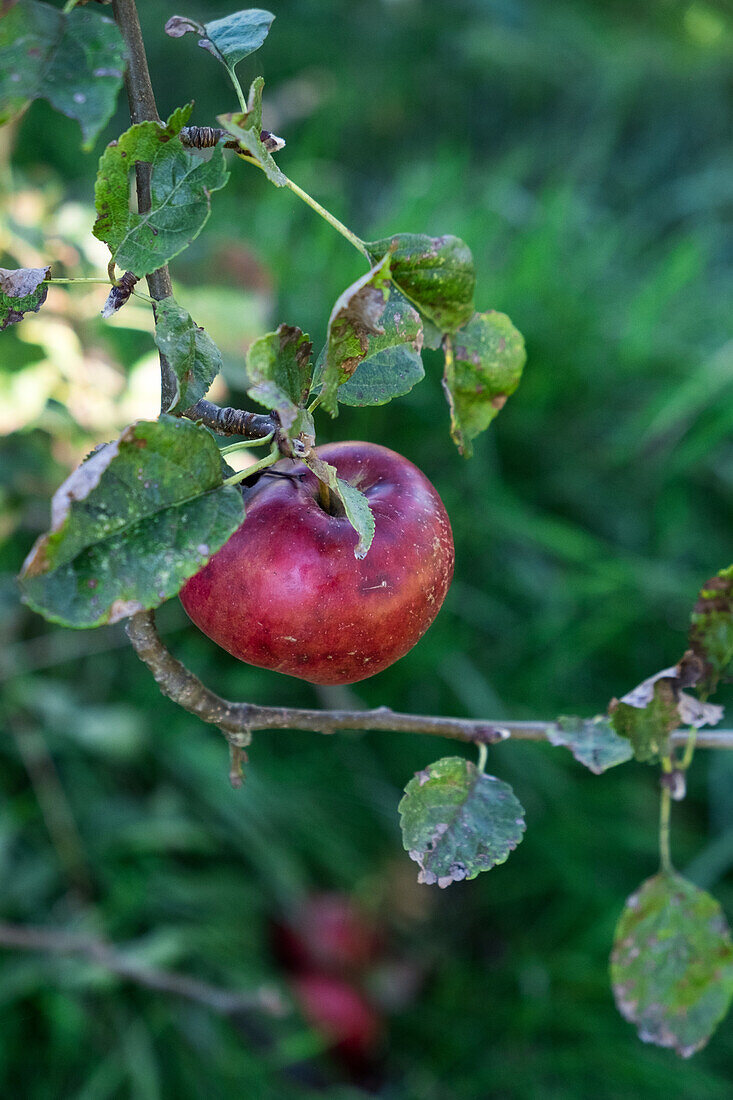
(339, 1012)
(330, 933)
(286, 592)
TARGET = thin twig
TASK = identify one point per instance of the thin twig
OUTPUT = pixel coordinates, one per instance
(237, 721)
(226, 1002)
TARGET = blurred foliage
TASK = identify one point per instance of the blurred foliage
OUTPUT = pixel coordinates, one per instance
(583, 151)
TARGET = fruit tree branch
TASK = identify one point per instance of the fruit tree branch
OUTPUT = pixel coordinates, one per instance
(237, 721)
(141, 99)
(226, 1002)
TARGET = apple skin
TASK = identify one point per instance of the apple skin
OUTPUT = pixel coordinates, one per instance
(340, 1014)
(328, 933)
(286, 592)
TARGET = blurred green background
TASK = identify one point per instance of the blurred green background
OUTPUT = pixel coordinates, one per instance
(583, 150)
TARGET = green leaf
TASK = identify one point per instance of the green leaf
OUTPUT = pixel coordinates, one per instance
(457, 822)
(483, 365)
(22, 290)
(592, 741)
(352, 500)
(672, 964)
(354, 323)
(229, 39)
(391, 368)
(181, 183)
(75, 61)
(711, 632)
(279, 372)
(246, 127)
(436, 274)
(131, 524)
(647, 720)
(191, 353)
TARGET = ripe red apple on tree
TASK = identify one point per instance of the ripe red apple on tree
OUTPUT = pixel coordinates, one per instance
(286, 592)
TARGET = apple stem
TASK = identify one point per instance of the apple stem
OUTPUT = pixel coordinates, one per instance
(246, 443)
(324, 496)
(255, 468)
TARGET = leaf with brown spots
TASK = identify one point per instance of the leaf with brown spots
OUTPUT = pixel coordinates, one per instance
(22, 290)
(279, 372)
(711, 632)
(355, 319)
(393, 363)
(131, 524)
(483, 365)
(435, 273)
(181, 183)
(457, 821)
(672, 964)
(648, 713)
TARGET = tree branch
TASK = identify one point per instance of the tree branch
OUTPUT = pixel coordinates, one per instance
(238, 721)
(141, 99)
(226, 1002)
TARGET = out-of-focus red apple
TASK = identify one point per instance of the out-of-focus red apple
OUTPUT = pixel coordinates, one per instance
(329, 933)
(286, 592)
(338, 1012)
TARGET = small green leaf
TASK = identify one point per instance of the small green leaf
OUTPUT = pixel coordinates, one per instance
(229, 39)
(279, 372)
(131, 524)
(436, 274)
(592, 741)
(457, 822)
(75, 61)
(711, 633)
(355, 504)
(191, 353)
(672, 964)
(392, 367)
(247, 129)
(22, 290)
(181, 183)
(354, 323)
(483, 365)
(647, 720)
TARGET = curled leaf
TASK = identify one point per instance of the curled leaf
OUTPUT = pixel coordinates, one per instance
(355, 319)
(648, 713)
(435, 273)
(279, 372)
(255, 142)
(22, 290)
(483, 365)
(711, 631)
(592, 741)
(191, 353)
